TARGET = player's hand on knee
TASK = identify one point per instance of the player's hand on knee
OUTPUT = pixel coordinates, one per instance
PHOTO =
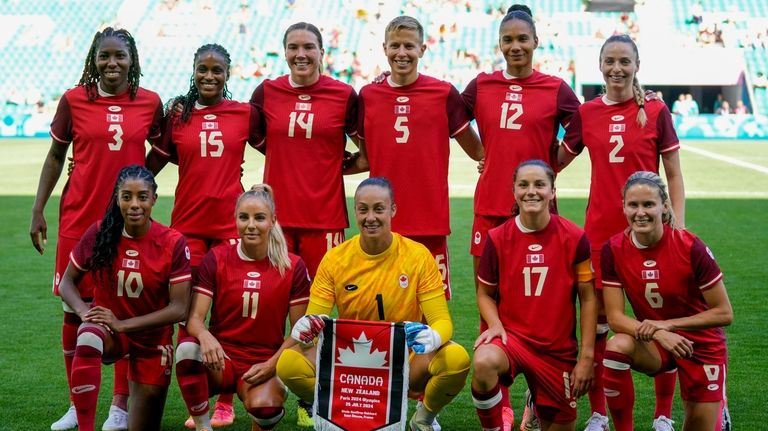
(308, 328)
(421, 338)
(676, 344)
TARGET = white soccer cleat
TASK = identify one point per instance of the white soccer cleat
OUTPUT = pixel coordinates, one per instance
(435, 425)
(663, 423)
(117, 420)
(597, 422)
(66, 422)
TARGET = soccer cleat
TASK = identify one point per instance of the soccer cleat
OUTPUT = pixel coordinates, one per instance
(223, 415)
(117, 420)
(529, 422)
(663, 423)
(726, 419)
(66, 422)
(507, 418)
(304, 415)
(597, 422)
(189, 423)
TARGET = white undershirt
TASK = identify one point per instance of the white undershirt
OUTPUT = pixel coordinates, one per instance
(507, 75)
(522, 228)
(103, 93)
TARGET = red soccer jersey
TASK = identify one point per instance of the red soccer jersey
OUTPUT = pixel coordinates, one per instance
(618, 147)
(518, 120)
(305, 130)
(210, 149)
(250, 300)
(535, 277)
(665, 281)
(106, 135)
(143, 270)
(406, 131)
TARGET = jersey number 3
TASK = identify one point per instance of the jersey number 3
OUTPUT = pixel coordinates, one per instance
(117, 137)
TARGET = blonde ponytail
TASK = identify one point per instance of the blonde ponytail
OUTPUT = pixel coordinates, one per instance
(277, 250)
(639, 92)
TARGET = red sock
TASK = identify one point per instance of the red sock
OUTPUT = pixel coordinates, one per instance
(664, 384)
(596, 394)
(193, 381)
(619, 389)
(505, 402)
(488, 406)
(225, 399)
(121, 377)
(69, 342)
(86, 377)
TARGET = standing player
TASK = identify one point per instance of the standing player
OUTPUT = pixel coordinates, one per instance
(107, 118)
(406, 122)
(207, 138)
(371, 260)
(519, 112)
(624, 133)
(677, 294)
(142, 275)
(305, 120)
(250, 288)
(532, 268)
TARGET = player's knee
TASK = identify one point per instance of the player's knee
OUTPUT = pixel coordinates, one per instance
(90, 341)
(267, 417)
(188, 350)
(452, 358)
(485, 363)
(621, 343)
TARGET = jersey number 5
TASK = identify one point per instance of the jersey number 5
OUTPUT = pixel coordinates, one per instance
(211, 144)
(401, 127)
(528, 273)
(509, 113)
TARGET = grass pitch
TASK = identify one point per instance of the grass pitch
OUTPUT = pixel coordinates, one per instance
(726, 207)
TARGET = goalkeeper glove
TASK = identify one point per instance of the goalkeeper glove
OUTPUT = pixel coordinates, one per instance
(421, 338)
(308, 328)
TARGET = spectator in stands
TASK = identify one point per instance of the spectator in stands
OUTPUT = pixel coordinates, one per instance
(760, 81)
(740, 108)
(691, 104)
(725, 108)
(678, 107)
(696, 13)
(718, 103)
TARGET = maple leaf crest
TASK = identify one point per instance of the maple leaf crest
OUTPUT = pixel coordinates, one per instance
(362, 356)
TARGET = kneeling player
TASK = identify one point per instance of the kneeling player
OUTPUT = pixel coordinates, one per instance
(397, 280)
(532, 268)
(250, 288)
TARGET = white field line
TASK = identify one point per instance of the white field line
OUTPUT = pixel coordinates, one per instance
(726, 159)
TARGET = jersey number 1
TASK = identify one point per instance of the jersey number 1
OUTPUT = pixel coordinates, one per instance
(303, 120)
(509, 113)
(250, 304)
(130, 284)
(211, 144)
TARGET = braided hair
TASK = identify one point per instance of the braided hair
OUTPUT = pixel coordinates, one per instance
(653, 180)
(637, 90)
(90, 77)
(277, 249)
(188, 100)
(111, 228)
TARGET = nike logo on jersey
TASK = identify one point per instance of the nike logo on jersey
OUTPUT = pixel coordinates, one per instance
(350, 287)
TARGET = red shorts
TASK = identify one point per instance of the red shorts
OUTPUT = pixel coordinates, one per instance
(198, 247)
(699, 382)
(480, 227)
(150, 363)
(595, 262)
(312, 244)
(64, 247)
(438, 246)
(548, 379)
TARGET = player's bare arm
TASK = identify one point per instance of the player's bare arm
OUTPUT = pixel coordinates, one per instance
(49, 176)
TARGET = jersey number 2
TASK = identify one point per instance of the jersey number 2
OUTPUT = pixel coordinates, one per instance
(613, 157)
(509, 113)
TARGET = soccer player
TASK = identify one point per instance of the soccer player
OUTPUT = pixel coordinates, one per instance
(106, 118)
(624, 133)
(249, 288)
(206, 136)
(532, 268)
(305, 120)
(518, 112)
(142, 275)
(680, 305)
(406, 122)
(371, 260)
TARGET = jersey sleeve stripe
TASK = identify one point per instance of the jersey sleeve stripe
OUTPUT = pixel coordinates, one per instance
(712, 282)
(487, 282)
(611, 283)
(181, 279)
(203, 291)
(352, 133)
(298, 301)
(63, 141)
(674, 147)
(260, 144)
(74, 262)
(164, 153)
(155, 136)
(567, 148)
(460, 129)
